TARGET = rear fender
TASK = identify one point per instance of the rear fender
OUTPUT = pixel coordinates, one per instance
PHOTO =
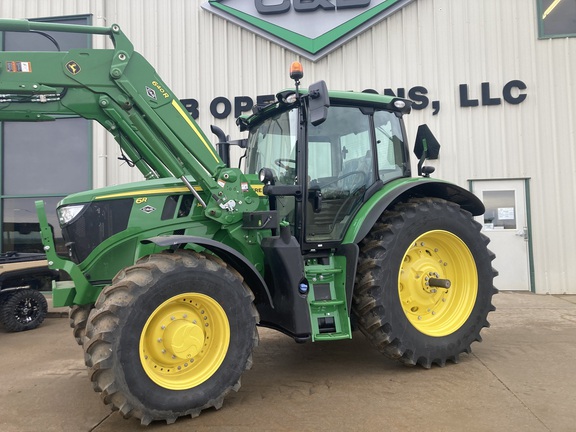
(403, 190)
(231, 256)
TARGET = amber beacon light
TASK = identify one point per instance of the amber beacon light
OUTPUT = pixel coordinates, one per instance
(296, 71)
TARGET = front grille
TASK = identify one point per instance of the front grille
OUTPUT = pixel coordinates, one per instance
(97, 222)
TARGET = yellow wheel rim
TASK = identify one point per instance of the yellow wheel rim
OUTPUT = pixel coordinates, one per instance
(184, 341)
(438, 258)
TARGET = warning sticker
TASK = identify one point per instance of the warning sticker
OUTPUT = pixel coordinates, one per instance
(17, 66)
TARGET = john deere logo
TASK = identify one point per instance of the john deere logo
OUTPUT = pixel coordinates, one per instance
(311, 28)
(73, 67)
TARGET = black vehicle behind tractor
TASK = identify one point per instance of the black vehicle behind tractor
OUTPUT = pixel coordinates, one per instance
(23, 277)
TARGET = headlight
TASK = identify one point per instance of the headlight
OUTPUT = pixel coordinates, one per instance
(400, 104)
(68, 213)
(266, 176)
(291, 98)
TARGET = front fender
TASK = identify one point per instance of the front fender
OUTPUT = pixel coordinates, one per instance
(229, 255)
(402, 190)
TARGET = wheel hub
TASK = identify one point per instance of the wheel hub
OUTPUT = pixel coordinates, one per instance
(183, 339)
(437, 283)
(26, 311)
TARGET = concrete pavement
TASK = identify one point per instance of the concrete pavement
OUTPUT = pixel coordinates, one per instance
(521, 378)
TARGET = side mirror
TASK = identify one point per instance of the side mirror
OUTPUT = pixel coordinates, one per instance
(318, 102)
(224, 144)
(426, 147)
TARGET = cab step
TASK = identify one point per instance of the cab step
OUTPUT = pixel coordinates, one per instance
(329, 314)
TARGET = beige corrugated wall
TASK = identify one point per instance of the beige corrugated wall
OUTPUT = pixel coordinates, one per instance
(437, 44)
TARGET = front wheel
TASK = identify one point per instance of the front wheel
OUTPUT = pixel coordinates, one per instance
(425, 282)
(78, 317)
(171, 336)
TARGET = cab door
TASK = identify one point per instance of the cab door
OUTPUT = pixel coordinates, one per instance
(340, 167)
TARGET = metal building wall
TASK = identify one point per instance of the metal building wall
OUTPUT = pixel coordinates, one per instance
(437, 44)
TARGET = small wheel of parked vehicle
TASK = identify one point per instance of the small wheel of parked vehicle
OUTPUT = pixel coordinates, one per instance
(23, 309)
(425, 282)
(171, 336)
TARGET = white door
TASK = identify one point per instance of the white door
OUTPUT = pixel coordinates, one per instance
(505, 223)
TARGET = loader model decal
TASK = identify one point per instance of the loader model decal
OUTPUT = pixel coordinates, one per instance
(311, 28)
(161, 89)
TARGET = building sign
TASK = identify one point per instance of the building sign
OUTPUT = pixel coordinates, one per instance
(469, 96)
(311, 28)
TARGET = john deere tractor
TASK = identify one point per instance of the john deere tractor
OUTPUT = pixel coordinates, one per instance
(323, 232)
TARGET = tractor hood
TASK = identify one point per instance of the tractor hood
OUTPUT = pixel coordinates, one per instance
(143, 188)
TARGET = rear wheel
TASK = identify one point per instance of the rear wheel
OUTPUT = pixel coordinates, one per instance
(23, 309)
(425, 282)
(171, 336)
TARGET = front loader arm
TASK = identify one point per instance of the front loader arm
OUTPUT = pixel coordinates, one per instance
(122, 91)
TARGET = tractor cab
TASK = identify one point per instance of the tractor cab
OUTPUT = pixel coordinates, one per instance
(322, 155)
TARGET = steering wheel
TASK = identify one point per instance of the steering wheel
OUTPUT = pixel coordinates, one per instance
(280, 163)
(349, 174)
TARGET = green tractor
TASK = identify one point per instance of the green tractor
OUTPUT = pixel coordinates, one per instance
(324, 231)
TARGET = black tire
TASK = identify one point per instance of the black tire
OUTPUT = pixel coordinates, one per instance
(138, 359)
(400, 307)
(23, 309)
(78, 316)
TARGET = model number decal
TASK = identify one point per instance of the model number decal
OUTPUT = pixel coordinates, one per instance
(161, 89)
(141, 200)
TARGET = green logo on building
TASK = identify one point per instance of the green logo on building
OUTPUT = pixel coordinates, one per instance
(311, 28)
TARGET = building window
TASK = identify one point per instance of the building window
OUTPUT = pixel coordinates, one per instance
(556, 18)
(41, 160)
